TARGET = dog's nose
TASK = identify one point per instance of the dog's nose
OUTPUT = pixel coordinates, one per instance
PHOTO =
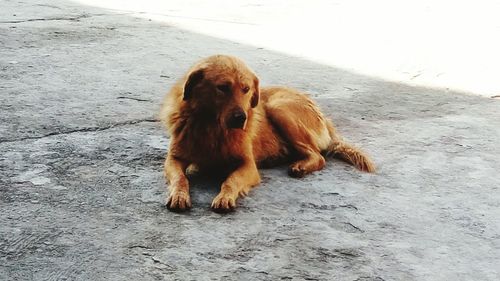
(237, 120)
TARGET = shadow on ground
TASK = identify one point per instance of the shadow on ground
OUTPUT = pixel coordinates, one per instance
(81, 166)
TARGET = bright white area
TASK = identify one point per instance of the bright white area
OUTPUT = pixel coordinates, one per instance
(445, 44)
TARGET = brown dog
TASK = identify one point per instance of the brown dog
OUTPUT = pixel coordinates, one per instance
(220, 120)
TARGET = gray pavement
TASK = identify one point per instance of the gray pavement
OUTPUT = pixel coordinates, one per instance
(81, 155)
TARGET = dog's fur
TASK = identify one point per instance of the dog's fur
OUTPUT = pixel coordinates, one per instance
(282, 124)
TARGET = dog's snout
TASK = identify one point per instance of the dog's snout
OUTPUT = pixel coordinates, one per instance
(239, 116)
(237, 120)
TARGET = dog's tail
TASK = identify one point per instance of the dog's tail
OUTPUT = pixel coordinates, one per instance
(347, 152)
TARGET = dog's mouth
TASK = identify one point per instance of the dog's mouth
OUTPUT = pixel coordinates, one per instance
(238, 124)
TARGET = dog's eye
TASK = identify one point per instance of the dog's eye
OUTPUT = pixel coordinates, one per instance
(245, 89)
(225, 88)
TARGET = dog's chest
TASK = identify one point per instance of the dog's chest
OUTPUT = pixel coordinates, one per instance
(209, 148)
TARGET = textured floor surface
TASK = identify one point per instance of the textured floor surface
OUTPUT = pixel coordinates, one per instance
(81, 155)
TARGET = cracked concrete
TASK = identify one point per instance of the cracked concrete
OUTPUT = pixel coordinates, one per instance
(81, 156)
(88, 129)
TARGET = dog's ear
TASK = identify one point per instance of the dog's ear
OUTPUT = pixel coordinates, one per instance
(256, 93)
(193, 79)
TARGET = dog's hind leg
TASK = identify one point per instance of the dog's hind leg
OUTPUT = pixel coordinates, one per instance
(303, 128)
(312, 161)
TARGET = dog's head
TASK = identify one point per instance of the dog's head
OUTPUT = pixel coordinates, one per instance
(224, 87)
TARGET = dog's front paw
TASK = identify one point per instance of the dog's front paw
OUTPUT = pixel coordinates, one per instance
(224, 202)
(178, 201)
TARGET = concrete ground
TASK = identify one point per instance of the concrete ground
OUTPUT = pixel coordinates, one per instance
(81, 154)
